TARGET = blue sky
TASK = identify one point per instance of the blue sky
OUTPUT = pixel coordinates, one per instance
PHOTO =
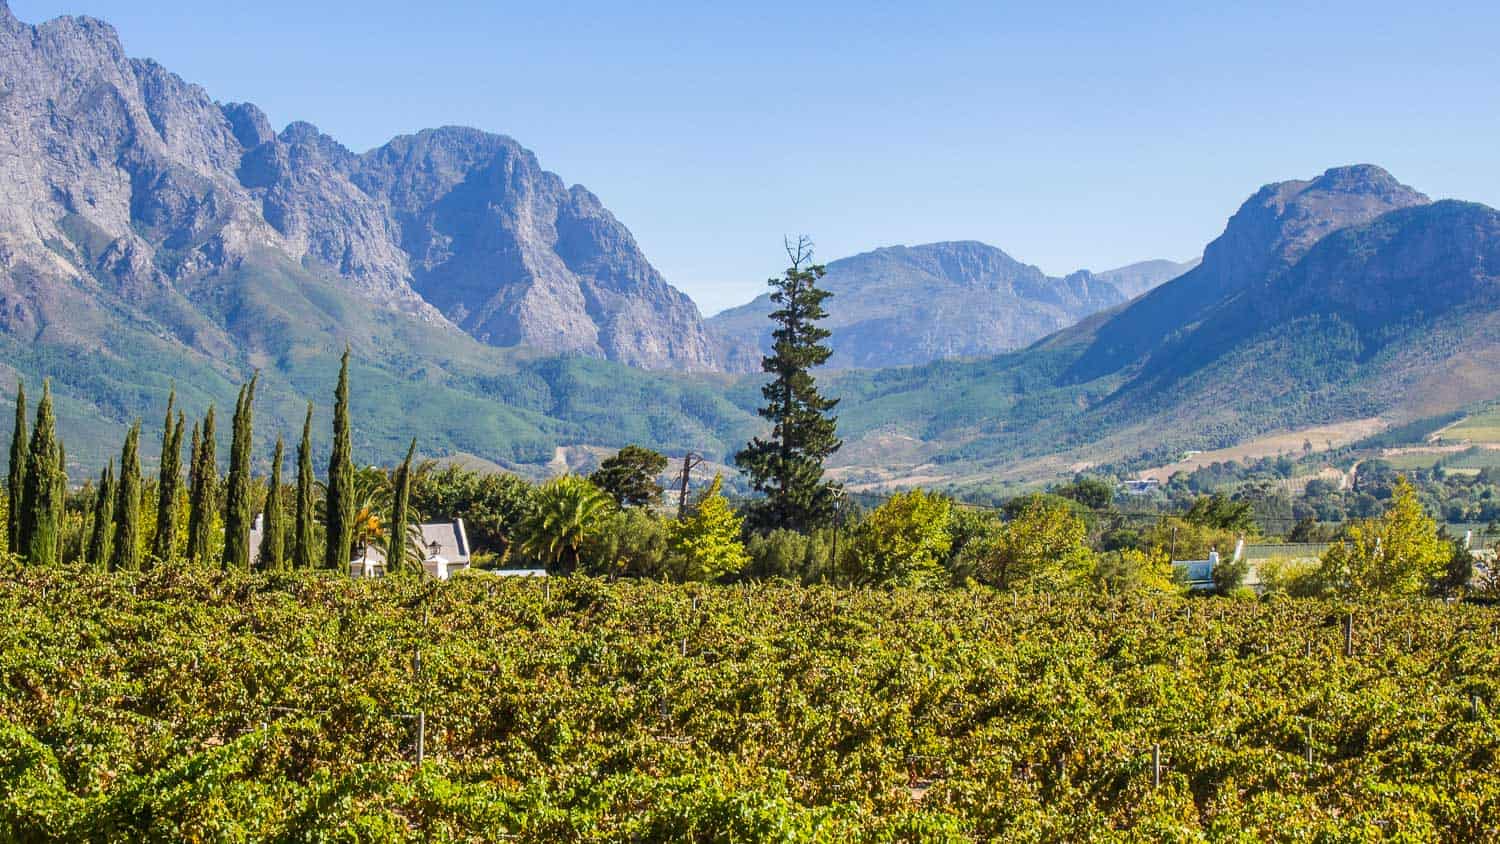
(1069, 134)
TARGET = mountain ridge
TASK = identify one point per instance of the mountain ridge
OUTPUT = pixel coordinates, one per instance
(120, 172)
(902, 305)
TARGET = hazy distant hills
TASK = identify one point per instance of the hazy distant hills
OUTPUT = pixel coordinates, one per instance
(906, 305)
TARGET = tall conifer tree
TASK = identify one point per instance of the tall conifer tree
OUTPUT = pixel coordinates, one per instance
(302, 539)
(237, 515)
(787, 467)
(15, 487)
(272, 541)
(125, 555)
(395, 552)
(169, 482)
(41, 523)
(339, 507)
(104, 519)
(203, 493)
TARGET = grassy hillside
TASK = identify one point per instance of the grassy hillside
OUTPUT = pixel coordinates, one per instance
(281, 709)
(411, 378)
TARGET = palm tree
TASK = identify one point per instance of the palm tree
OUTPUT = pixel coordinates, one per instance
(569, 511)
(371, 494)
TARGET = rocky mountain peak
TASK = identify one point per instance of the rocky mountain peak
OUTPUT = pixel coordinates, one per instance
(122, 174)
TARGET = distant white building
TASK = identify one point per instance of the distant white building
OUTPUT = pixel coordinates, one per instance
(444, 547)
(1199, 574)
(1140, 486)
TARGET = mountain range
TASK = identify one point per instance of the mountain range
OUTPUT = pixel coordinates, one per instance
(1346, 297)
(910, 305)
(151, 237)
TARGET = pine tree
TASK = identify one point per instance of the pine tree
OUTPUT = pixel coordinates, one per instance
(104, 510)
(169, 482)
(302, 539)
(16, 485)
(237, 516)
(203, 491)
(272, 542)
(340, 504)
(41, 522)
(395, 552)
(787, 467)
(125, 555)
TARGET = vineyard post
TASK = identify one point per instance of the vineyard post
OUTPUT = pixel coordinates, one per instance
(1156, 766)
(1474, 705)
(1349, 634)
(421, 736)
(1309, 743)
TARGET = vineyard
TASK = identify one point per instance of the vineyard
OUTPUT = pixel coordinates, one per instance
(182, 704)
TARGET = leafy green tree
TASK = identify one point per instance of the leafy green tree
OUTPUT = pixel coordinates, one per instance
(1400, 553)
(103, 519)
(632, 544)
(398, 539)
(169, 482)
(787, 466)
(339, 502)
(16, 484)
(705, 544)
(629, 476)
(494, 505)
(1130, 571)
(1221, 513)
(904, 541)
(1229, 575)
(272, 551)
(1092, 493)
(302, 529)
(237, 514)
(569, 512)
(1045, 546)
(802, 557)
(42, 523)
(203, 492)
(125, 550)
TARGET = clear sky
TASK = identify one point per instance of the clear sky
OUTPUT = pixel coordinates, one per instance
(1072, 135)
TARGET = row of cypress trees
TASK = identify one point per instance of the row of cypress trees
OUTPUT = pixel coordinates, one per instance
(37, 487)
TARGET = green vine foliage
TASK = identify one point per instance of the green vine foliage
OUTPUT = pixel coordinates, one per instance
(188, 704)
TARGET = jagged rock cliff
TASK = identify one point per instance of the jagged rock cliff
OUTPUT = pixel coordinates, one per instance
(122, 187)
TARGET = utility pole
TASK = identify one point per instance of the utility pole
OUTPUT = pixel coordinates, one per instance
(689, 460)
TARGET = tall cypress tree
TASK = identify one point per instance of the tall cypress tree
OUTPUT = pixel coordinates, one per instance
(787, 466)
(272, 542)
(126, 553)
(340, 504)
(104, 518)
(302, 539)
(395, 552)
(203, 491)
(169, 482)
(16, 484)
(237, 516)
(41, 522)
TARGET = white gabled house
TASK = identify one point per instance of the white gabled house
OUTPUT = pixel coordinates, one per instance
(444, 547)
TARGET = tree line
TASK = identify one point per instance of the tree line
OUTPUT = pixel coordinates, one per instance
(127, 522)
